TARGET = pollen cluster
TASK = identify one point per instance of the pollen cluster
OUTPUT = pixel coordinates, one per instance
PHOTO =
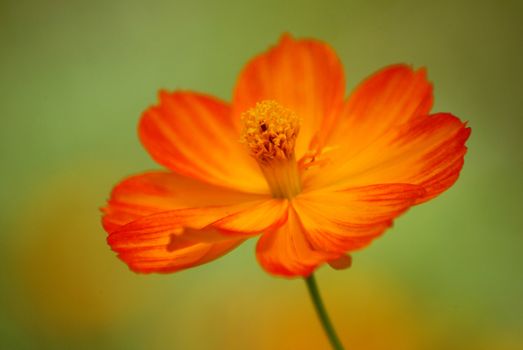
(270, 131)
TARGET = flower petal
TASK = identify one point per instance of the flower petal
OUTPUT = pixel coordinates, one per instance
(341, 263)
(164, 222)
(285, 251)
(148, 193)
(164, 242)
(178, 239)
(322, 226)
(257, 218)
(303, 75)
(170, 251)
(194, 135)
(427, 151)
(342, 221)
(385, 100)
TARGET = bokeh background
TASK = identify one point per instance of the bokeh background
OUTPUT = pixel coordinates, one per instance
(74, 78)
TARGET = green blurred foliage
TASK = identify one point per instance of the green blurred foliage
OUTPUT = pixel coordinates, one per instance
(74, 78)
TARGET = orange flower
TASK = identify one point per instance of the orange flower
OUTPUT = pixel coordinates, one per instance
(290, 159)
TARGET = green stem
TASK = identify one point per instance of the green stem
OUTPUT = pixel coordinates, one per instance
(322, 313)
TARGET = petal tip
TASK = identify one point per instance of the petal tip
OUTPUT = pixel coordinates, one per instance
(341, 263)
(286, 37)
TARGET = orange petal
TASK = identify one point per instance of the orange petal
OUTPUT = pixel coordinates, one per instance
(427, 151)
(178, 239)
(194, 135)
(171, 241)
(342, 221)
(286, 251)
(341, 263)
(163, 222)
(303, 75)
(256, 218)
(145, 194)
(322, 226)
(170, 251)
(387, 99)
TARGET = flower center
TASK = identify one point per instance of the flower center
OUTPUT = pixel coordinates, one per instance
(270, 131)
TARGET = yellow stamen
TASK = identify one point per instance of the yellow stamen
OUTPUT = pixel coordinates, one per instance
(270, 131)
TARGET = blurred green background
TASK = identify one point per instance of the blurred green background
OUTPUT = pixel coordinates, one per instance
(74, 78)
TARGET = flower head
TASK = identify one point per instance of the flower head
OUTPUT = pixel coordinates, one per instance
(270, 130)
(314, 174)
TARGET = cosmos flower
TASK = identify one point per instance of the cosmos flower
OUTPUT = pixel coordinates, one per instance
(290, 160)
